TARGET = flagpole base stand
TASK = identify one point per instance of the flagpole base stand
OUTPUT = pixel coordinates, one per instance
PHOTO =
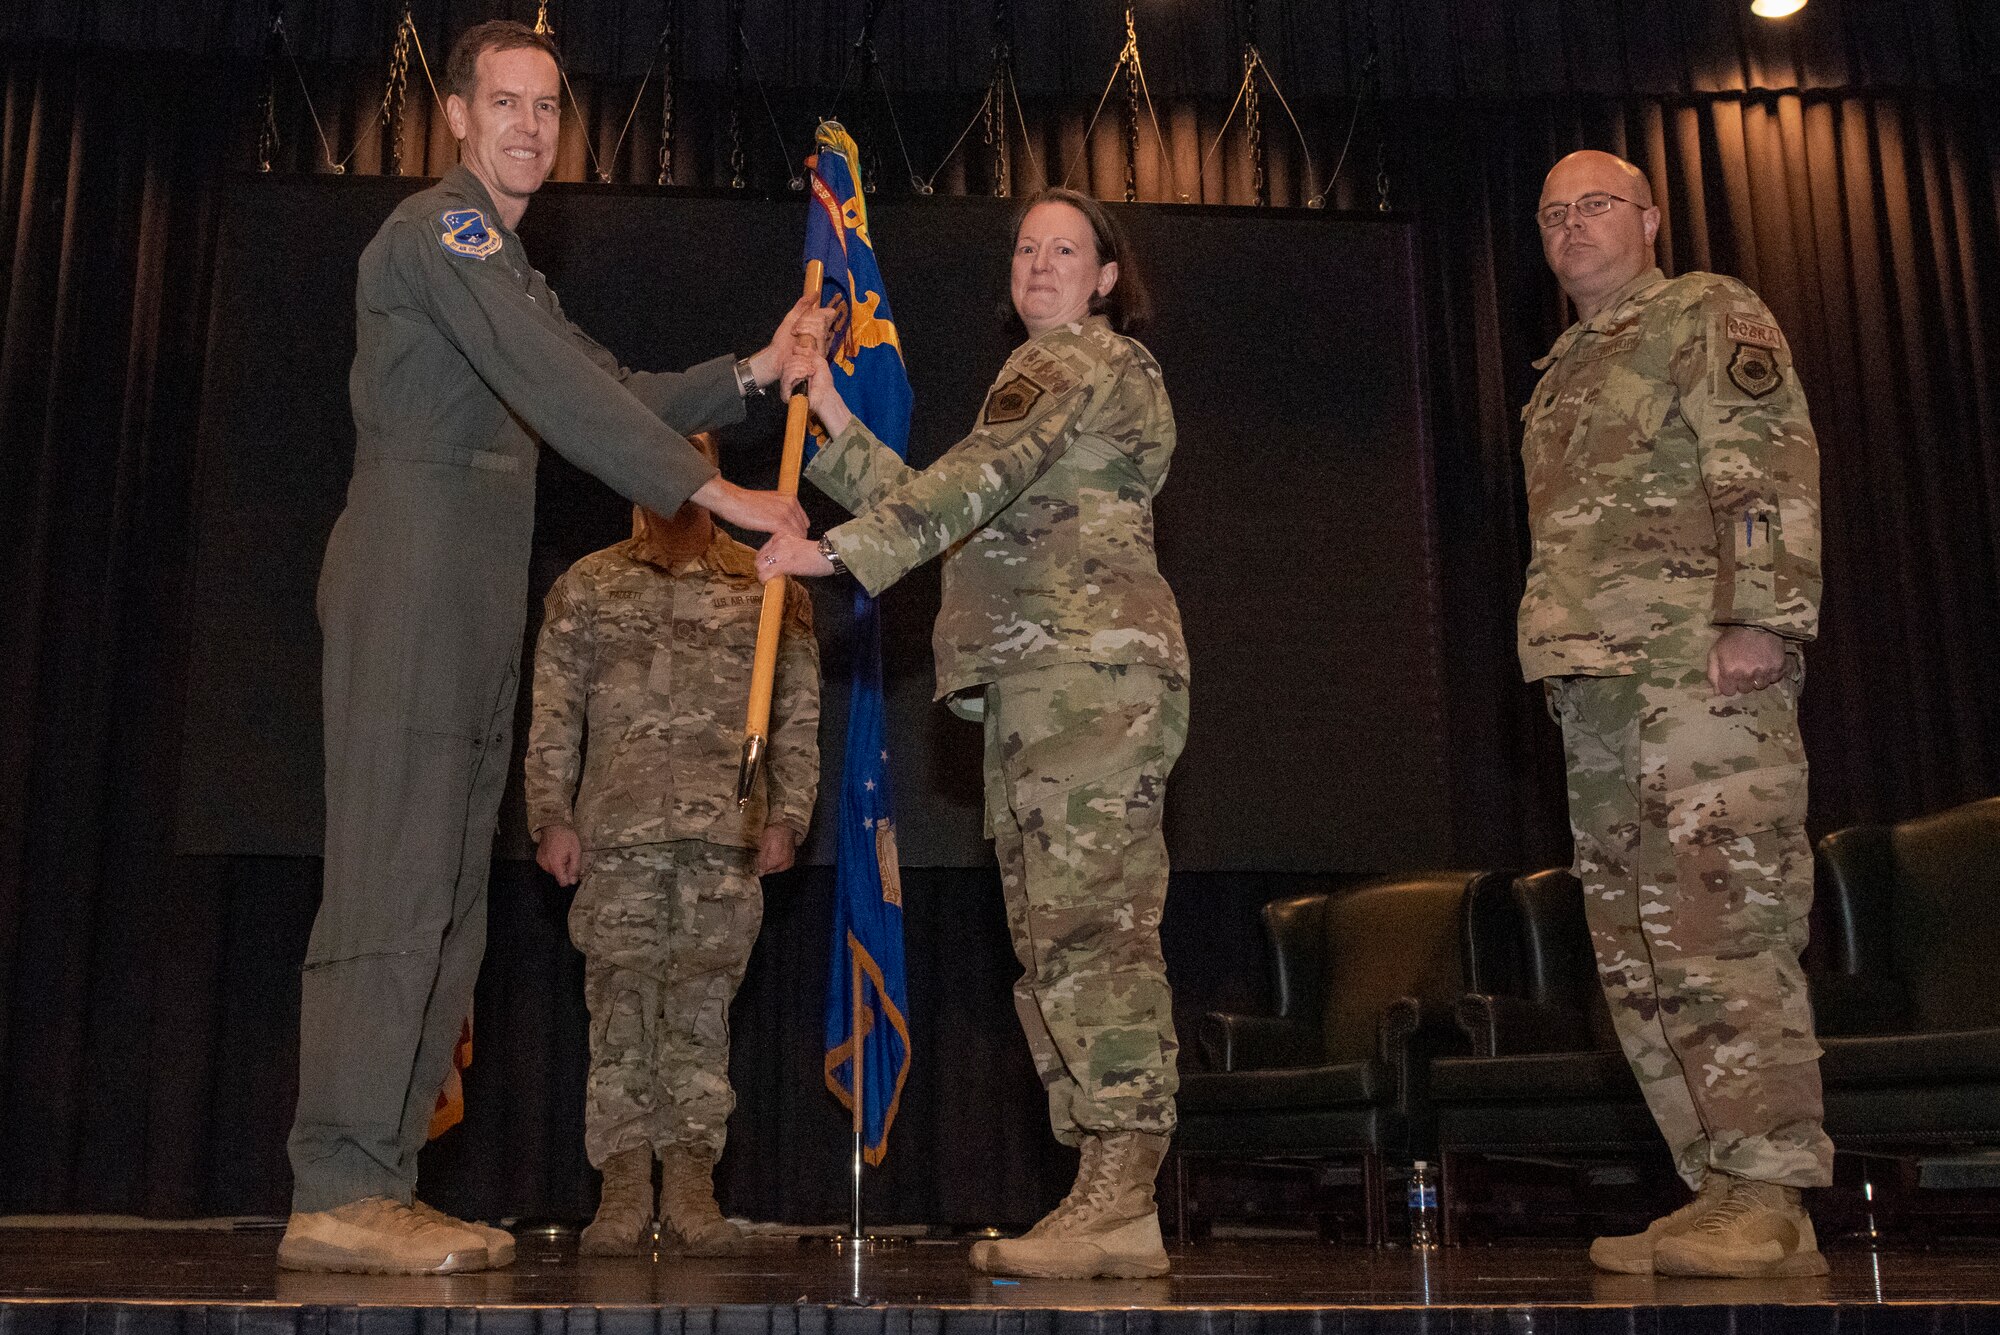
(546, 1230)
(867, 1242)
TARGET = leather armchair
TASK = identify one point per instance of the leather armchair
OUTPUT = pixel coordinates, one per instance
(1544, 1072)
(1364, 980)
(1902, 981)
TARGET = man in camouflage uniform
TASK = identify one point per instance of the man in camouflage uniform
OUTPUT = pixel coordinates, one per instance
(642, 677)
(1057, 630)
(1673, 500)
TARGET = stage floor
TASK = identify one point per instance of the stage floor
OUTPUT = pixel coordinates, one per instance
(140, 1282)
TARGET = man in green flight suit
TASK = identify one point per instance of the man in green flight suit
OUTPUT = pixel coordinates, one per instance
(1673, 502)
(464, 360)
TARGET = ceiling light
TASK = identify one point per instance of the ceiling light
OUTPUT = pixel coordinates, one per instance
(1776, 9)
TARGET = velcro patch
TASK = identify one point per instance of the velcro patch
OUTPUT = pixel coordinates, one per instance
(1609, 347)
(466, 233)
(1740, 329)
(1010, 400)
(1048, 370)
(1754, 370)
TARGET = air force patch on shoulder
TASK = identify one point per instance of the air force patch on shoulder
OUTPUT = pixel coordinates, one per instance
(466, 233)
(1754, 369)
(1742, 329)
(1037, 372)
(1010, 401)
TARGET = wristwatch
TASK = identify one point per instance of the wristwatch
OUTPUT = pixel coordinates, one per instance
(832, 556)
(746, 380)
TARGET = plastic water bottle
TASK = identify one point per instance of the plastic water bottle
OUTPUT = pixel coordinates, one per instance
(1423, 1207)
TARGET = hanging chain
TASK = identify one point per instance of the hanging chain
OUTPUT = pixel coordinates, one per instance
(1372, 68)
(739, 162)
(392, 95)
(996, 103)
(389, 112)
(1130, 57)
(667, 96)
(1253, 125)
(267, 103)
(1253, 110)
(267, 126)
(542, 19)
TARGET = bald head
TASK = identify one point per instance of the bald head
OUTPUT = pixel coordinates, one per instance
(1602, 171)
(1593, 257)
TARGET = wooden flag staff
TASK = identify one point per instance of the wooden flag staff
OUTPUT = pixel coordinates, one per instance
(764, 669)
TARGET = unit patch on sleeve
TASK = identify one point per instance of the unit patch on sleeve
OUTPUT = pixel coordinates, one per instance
(1754, 369)
(1048, 370)
(1740, 329)
(466, 233)
(1010, 400)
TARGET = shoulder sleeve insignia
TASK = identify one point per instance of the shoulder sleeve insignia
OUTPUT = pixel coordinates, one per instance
(1754, 369)
(1010, 400)
(466, 233)
(1740, 329)
(1047, 370)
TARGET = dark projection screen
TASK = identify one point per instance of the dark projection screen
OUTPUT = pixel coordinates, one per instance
(1294, 528)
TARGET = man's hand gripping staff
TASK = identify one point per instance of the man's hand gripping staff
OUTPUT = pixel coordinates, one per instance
(764, 668)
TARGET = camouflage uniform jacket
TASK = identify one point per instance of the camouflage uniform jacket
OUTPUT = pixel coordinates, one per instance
(654, 666)
(1673, 482)
(1045, 511)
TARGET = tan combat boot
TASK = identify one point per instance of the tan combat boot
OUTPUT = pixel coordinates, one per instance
(690, 1220)
(1759, 1230)
(499, 1242)
(1112, 1231)
(378, 1236)
(623, 1225)
(1632, 1253)
(1088, 1153)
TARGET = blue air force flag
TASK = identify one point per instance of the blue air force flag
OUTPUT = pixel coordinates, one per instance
(866, 1008)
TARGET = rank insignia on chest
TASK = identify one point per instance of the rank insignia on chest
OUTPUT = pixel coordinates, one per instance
(467, 233)
(1011, 400)
(1754, 370)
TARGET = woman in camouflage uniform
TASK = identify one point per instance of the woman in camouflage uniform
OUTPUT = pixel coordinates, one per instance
(1058, 633)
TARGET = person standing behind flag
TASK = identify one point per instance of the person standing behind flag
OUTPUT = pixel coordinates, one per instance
(1058, 631)
(641, 674)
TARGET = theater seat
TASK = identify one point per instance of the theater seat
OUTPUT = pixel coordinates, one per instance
(1904, 981)
(1545, 1075)
(1364, 980)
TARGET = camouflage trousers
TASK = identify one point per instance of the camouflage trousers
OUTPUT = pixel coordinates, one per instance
(1077, 757)
(1689, 815)
(666, 932)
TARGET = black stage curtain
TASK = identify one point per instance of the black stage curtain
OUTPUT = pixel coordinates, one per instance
(1317, 48)
(147, 1002)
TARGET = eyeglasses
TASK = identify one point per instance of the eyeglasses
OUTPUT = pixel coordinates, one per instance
(1552, 216)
